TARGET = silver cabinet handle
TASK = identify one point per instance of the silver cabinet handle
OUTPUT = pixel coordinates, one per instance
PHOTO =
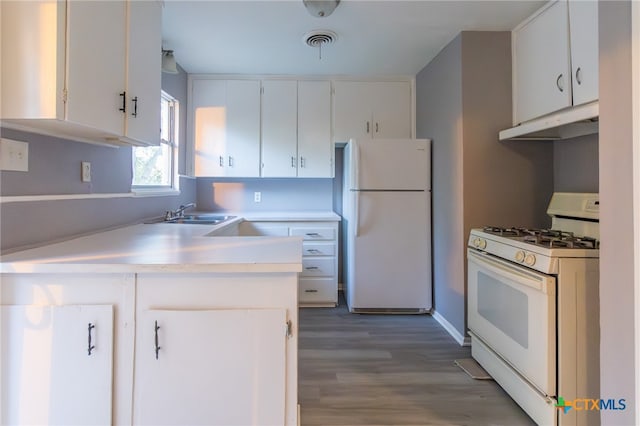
(311, 291)
(367, 127)
(377, 130)
(579, 75)
(293, 161)
(221, 161)
(312, 234)
(230, 161)
(560, 86)
(315, 251)
(311, 268)
(302, 162)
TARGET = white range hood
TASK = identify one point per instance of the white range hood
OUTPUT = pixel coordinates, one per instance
(569, 123)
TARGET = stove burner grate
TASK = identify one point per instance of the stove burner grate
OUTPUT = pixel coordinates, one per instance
(551, 238)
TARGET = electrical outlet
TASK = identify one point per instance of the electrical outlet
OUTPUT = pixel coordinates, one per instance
(14, 155)
(257, 197)
(86, 171)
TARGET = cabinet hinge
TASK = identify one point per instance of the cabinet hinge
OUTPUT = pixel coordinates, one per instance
(288, 329)
(65, 95)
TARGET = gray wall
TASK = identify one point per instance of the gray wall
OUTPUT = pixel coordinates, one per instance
(617, 339)
(575, 164)
(54, 169)
(439, 117)
(236, 195)
(463, 98)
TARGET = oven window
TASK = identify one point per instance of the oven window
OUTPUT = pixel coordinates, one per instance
(504, 307)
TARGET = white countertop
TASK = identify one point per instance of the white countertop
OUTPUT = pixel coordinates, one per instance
(164, 247)
(288, 216)
(160, 247)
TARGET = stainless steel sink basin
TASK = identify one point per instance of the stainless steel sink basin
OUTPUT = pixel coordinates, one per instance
(201, 219)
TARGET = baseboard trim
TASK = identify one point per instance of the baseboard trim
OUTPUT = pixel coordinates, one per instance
(462, 340)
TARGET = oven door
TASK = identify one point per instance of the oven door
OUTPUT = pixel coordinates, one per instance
(512, 309)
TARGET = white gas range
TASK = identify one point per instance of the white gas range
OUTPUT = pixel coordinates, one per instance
(533, 311)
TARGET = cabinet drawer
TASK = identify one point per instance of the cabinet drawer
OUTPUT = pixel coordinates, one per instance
(311, 234)
(318, 249)
(317, 290)
(313, 267)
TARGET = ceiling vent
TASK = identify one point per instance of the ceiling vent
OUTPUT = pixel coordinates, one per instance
(319, 38)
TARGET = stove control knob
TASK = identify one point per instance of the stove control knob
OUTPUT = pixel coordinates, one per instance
(530, 260)
(520, 256)
(482, 244)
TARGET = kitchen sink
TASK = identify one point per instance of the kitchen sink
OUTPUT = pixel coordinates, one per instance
(201, 219)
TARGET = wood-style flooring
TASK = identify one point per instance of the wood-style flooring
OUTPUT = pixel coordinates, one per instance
(360, 369)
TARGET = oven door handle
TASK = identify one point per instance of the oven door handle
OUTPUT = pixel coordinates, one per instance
(517, 274)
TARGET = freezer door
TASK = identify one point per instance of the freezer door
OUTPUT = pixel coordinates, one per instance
(390, 251)
(400, 164)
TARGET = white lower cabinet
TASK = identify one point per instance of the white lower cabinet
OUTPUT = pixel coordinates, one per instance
(216, 367)
(216, 349)
(318, 281)
(67, 342)
(149, 348)
(57, 364)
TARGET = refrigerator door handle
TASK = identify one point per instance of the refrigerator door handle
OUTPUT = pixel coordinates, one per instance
(356, 213)
(355, 170)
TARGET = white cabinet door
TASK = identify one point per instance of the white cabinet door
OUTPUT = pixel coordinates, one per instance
(59, 368)
(351, 110)
(372, 109)
(213, 367)
(144, 75)
(243, 128)
(542, 80)
(208, 100)
(392, 110)
(583, 26)
(279, 128)
(315, 147)
(226, 127)
(95, 57)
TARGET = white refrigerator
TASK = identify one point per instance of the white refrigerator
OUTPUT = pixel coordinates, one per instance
(387, 225)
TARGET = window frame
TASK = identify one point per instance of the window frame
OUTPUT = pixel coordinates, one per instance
(173, 145)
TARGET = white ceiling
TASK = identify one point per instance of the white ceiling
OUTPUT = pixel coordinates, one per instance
(375, 37)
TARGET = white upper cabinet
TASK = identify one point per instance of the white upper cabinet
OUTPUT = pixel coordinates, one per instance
(583, 26)
(226, 127)
(371, 110)
(315, 146)
(279, 128)
(296, 129)
(95, 74)
(64, 68)
(555, 59)
(144, 77)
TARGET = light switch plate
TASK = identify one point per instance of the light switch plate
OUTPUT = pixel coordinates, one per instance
(14, 155)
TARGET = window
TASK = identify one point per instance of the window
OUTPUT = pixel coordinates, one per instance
(154, 166)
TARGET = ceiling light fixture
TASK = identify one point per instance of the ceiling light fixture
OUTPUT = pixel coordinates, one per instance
(169, 64)
(321, 8)
(318, 38)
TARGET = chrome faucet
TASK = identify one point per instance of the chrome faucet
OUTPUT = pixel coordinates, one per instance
(179, 212)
